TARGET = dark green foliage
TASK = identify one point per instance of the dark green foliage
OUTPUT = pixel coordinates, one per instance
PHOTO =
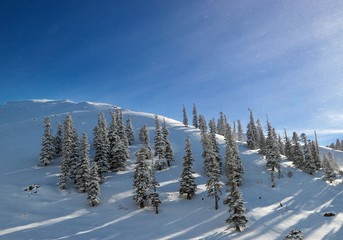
(195, 117)
(101, 145)
(129, 132)
(47, 151)
(185, 118)
(93, 189)
(82, 174)
(252, 135)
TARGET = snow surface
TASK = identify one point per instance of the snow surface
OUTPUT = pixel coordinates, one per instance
(53, 214)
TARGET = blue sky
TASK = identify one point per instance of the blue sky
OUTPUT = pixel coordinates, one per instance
(280, 58)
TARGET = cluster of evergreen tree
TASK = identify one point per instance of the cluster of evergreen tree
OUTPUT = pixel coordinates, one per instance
(111, 152)
(338, 145)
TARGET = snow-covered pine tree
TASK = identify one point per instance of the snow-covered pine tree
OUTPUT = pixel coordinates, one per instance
(281, 145)
(101, 145)
(233, 164)
(187, 180)
(158, 140)
(185, 118)
(145, 140)
(75, 156)
(213, 139)
(221, 125)
(329, 173)
(308, 164)
(207, 152)
(165, 131)
(141, 178)
(214, 185)
(58, 141)
(252, 133)
(234, 131)
(93, 189)
(239, 131)
(82, 174)
(130, 134)
(195, 117)
(272, 152)
(261, 141)
(316, 152)
(169, 153)
(202, 123)
(297, 154)
(154, 195)
(118, 153)
(236, 210)
(121, 128)
(47, 150)
(67, 151)
(288, 146)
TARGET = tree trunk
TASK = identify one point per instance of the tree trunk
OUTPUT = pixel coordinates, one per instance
(141, 204)
(156, 209)
(216, 202)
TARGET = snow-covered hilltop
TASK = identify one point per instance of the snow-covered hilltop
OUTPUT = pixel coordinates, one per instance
(42, 211)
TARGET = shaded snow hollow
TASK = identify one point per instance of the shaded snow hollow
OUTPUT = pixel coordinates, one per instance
(53, 214)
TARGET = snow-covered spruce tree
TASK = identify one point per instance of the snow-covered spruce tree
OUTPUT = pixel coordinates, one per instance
(252, 133)
(213, 138)
(333, 163)
(168, 149)
(214, 185)
(281, 145)
(101, 146)
(75, 156)
(221, 124)
(207, 152)
(239, 131)
(308, 164)
(261, 141)
(202, 123)
(316, 152)
(158, 140)
(47, 150)
(187, 181)
(234, 132)
(165, 131)
(297, 154)
(67, 151)
(130, 134)
(118, 154)
(329, 173)
(185, 118)
(82, 174)
(58, 141)
(93, 189)
(288, 146)
(235, 203)
(233, 164)
(272, 152)
(154, 195)
(195, 117)
(121, 127)
(141, 178)
(145, 140)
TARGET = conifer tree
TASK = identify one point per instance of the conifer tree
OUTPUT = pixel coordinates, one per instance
(202, 123)
(207, 152)
(214, 185)
(288, 146)
(158, 140)
(252, 133)
(75, 156)
(272, 152)
(308, 164)
(47, 150)
(93, 189)
(195, 117)
(141, 178)
(239, 131)
(154, 195)
(67, 151)
(328, 169)
(129, 132)
(187, 181)
(118, 153)
(58, 141)
(169, 153)
(214, 142)
(261, 141)
(281, 145)
(121, 128)
(316, 152)
(234, 132)
(221, 125)
(83, 172)
(165, 131)
(145, 140)
(297, 154)
(101, 146)
(185, 118)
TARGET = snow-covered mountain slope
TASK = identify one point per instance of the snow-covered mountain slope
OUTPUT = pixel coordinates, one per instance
(53, 214)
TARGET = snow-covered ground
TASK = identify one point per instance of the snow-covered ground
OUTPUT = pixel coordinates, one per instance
(53, 214)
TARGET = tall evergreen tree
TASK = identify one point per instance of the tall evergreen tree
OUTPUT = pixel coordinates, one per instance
(118, 153)
(281, 145)
(83, 172)
(328, 169)
(47, 150)
(130, 135)
(207, 152)
(272, 151)
(93, 189)
(308, 164)
(141, 178)
(214, 185)
(195, 117)
(165, 131)
(202, 123)
(252, 133)
(234, 132)
(169, 153)
(187, 181)
(221, 125)
(158, 140)
(239, 131)
(75, 156)
(185, 118)
(58, 141)
(121, 128)
(145, 140)
(154, 195)
(67, 151)
(316, 152)
(261, 141)
(288, 146)
(214, 142)
(297, 154)
(101, 145)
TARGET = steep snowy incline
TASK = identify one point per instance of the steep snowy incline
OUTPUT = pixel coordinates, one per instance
(54, 214)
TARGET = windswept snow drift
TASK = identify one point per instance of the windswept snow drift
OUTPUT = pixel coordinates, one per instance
(48, 213)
